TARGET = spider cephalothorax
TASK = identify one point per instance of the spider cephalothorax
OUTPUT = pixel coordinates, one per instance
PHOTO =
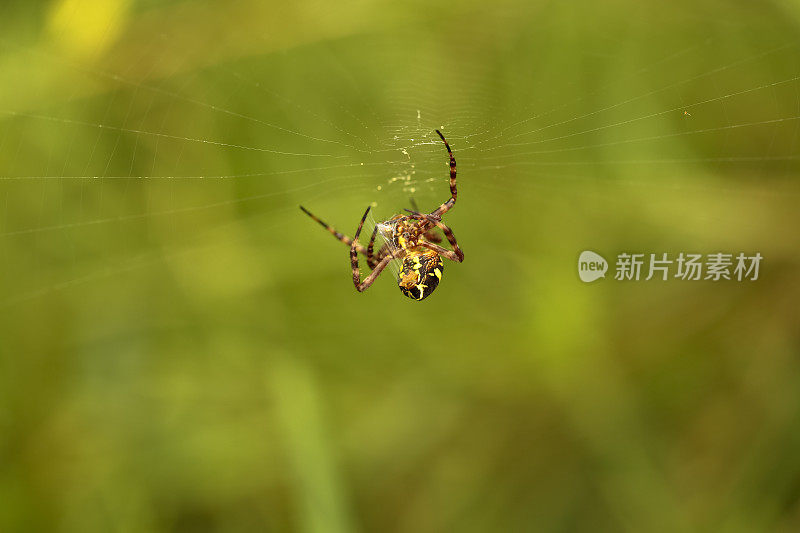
(409, 238)
(402, 232)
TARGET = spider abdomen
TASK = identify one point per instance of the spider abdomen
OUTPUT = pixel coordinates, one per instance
(420, 274)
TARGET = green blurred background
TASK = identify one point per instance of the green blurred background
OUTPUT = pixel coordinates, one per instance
(181, 349)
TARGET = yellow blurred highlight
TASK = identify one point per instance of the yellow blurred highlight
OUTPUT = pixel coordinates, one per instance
(86, 28)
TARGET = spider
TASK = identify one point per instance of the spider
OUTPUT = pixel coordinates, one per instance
(411, 239)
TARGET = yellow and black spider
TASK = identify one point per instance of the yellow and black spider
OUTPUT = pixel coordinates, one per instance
(410, 238)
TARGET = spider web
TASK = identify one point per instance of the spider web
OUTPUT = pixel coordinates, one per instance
(161, 147)
(152, 159)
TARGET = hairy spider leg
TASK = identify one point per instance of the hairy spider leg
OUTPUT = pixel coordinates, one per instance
(455, 254)
(371, 259)
(430, 234)
(361, 286)
(445, 207)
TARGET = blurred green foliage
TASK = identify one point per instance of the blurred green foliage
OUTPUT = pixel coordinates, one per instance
(181, 349)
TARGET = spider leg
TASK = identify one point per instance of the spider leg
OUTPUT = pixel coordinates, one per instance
(452, 255)
(361, 286)
(372, 259)
(339, 236)
(455, 254)
(385, 251)
(432, 236)
(364, 285)
(445, 207)
(429, 233)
